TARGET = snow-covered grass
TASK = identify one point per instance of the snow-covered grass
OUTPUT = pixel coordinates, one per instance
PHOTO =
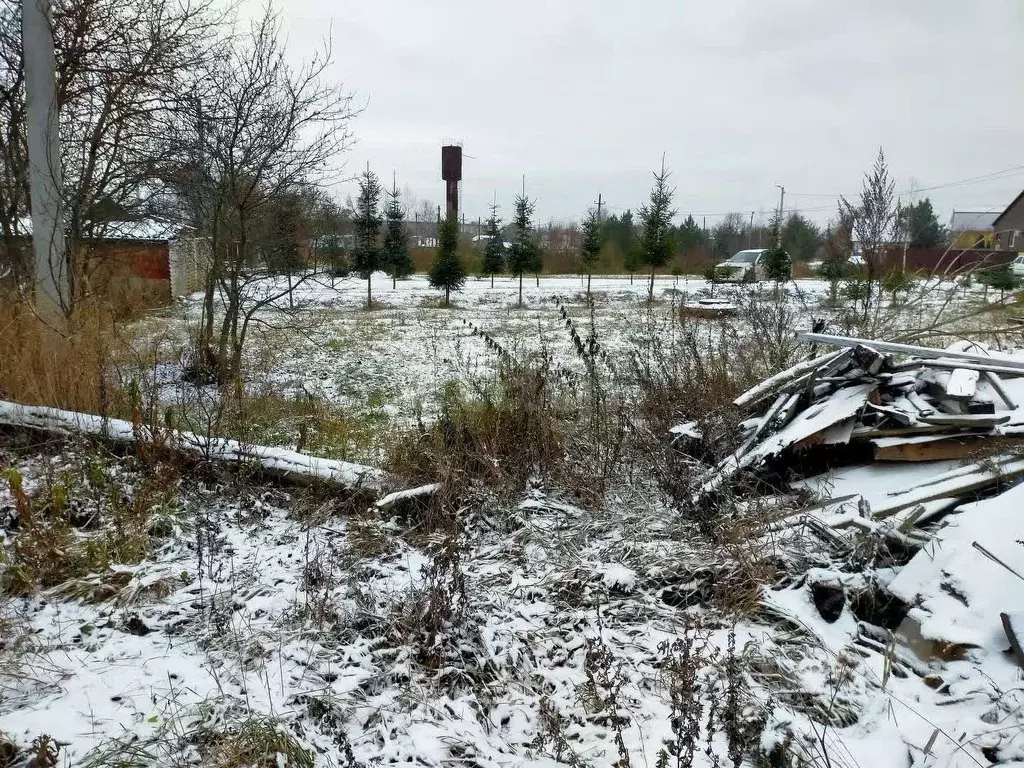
(519, 636)
(553, 601)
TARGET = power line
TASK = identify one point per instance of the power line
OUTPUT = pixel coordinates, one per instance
(1005, 173)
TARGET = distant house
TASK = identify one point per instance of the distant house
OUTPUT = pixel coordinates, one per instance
(973, 229)
(1009, 226)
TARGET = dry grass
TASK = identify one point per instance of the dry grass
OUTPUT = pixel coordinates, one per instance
(260, 742)
(67, 367)
(500, 438)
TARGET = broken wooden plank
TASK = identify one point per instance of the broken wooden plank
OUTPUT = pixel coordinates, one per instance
(898, 415)
(954, 484)
(843, 405)
(955, 364)
(997, 384)
(968, 420)
(925, 448)
(788, 376)
(912, 349)
(920, 403)
(872, 433)
(963, 383)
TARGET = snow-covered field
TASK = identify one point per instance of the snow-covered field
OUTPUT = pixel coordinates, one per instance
(397, 355)
(282, 628)
(390, 365)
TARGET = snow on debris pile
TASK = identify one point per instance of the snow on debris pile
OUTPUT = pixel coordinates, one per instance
(892, 402)
(968, 574)
(905, 567)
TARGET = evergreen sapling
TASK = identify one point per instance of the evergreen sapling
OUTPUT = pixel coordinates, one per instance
(590, 246)
(397, 257)
(366, 251)
(494, 253)
(447, 271)
(656, 218)
(524, 253)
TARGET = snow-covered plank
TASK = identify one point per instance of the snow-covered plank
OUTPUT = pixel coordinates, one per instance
(961, 364)
(997, 384)
(843, 405)
(969, 420)
(931, 353)
(281, 462)
(787, 376)
(956, 483)
(963, 383)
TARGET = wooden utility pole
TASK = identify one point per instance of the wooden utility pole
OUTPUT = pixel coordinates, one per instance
(599, 206)
(52, 281)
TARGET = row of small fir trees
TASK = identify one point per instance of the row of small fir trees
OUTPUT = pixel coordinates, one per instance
(391, 253)
(373, 251)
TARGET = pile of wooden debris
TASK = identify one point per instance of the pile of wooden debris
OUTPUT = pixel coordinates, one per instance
(947, 527)
(892, 402)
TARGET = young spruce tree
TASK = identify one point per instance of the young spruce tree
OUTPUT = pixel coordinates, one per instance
(447, 271)
(494, 253)
(776, 262)
(396, 255)
(656, 219)
(366, 251)
(523, 253)
(590, 246)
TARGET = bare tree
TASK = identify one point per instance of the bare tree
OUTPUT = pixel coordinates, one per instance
(123, 70)
(264, 130)
(876, 222)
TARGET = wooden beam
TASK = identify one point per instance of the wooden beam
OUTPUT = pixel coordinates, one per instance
(911, 349)
(934, 450)
(790, 375)
(952, 365)
(997, 384)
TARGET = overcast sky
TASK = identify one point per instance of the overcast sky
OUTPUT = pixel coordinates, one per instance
(584, 96)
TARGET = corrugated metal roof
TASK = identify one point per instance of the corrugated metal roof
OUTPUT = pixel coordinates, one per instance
(973, 221)
(125, 230)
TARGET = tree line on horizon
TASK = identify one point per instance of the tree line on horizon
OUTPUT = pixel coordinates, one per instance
(645, 241)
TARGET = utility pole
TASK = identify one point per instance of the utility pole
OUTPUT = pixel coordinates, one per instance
(778, 230)
(750, 231)
(52, 282)
(599, 207)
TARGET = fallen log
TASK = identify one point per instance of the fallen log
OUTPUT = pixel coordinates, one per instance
(281, 463)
